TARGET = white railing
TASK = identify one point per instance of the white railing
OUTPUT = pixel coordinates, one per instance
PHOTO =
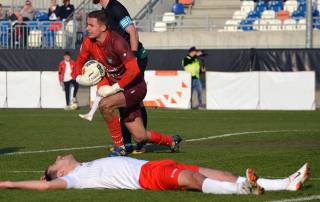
(35, 34)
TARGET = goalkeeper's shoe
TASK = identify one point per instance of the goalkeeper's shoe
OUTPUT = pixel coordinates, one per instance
(129, 148)
(298, 178)
(175, 146)
(118, 151)
(86, 117)
(250, 185)
(139, 148)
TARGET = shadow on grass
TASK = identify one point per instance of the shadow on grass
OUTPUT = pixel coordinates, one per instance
(9, 150)
(152, 148)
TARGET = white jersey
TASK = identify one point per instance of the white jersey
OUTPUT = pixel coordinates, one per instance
(106, 173)
(67, 73)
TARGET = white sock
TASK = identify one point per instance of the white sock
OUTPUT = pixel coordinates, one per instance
(273, 184)
(95, 105)
(269, 184)
(220, 187)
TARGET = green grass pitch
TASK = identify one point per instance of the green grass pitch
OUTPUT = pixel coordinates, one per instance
(295, 140)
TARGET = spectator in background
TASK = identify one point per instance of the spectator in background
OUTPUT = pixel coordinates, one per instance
(3, 13)
(192, 64)
(19, 32)
(81, 25)
(28, 12)
(66, 10)
(66, 67)
(54, 11)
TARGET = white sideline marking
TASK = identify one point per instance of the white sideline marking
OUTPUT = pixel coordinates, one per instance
(313, 197)
(241, 133)
(190, 140)
(25, 171)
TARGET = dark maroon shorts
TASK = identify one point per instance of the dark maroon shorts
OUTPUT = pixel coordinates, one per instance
(134, 94)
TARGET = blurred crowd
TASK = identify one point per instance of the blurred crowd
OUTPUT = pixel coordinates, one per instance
(28, 12)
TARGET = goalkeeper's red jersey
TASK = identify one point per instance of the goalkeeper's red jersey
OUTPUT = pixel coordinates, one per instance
(115, 54)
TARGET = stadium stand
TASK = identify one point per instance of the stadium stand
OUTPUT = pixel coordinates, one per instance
(272, 16)
(57, 34)
(41, 5)
(206, 15)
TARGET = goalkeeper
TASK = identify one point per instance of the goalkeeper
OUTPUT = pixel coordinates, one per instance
(122, 87)
(122, 23)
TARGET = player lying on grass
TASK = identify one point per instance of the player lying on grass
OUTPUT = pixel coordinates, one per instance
(129, 173)
(122, 86)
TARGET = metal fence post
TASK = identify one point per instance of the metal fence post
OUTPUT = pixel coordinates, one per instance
(309, 30)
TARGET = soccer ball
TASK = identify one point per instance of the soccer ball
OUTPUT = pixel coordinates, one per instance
(74, 106)
(93, 71)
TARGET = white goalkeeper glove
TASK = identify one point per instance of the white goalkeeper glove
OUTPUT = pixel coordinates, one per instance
(105, 91)
(86, 81)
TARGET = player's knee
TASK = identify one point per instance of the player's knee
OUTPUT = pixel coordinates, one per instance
(198, 180)
(104, 105)
(192, 180)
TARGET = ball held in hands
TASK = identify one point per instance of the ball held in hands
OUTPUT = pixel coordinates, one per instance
(92, 73)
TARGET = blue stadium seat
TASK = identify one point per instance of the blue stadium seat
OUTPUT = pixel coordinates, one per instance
(275, 5)
(47, 35)
(32, 25)
(254, 15)
(4, 33)
(261, 6)
(276, 8)
(315, 13)
(41, 16)
(298, 14)
(178, 9)
(302, 7)
(246, 25)
(316, 23)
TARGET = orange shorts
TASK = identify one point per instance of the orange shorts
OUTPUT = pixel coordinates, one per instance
(162, 174)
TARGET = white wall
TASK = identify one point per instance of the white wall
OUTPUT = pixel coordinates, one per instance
(23, 89)
(3, 89)
(172, 89)
(261, 90)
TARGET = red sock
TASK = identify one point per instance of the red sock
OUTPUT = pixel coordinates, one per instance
(158, 138)
(115, 130)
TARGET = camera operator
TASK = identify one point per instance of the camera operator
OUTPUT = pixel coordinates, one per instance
(192, 64)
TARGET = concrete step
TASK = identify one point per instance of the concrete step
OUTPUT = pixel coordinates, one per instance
(226, 13)
(217, 2)
(216, 7)
(201, 23)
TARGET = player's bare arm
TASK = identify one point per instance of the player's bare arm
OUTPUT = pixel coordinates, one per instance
(34, 184)
(134, 37)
